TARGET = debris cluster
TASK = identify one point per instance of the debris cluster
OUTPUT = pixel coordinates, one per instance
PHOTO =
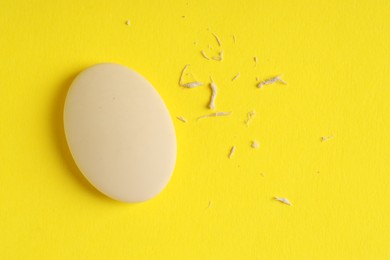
(211, 54)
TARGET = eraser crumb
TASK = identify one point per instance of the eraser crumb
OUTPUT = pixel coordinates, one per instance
(232, 150)
(192, 84)
(218, 40)
(205, 55)
(283, 200)
(326, 138)
(277, 79)
(236, 77)
(250, 117)
(213, 88)
(218, 58)
(182, 119)
(216, 114)
(189, 84)
(255, 144)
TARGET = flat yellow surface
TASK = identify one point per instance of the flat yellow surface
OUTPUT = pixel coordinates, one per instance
(335, 57)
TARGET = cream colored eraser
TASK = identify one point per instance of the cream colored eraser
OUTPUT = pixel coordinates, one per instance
(120, 132)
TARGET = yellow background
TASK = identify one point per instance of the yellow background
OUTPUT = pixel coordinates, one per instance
(335, 57)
